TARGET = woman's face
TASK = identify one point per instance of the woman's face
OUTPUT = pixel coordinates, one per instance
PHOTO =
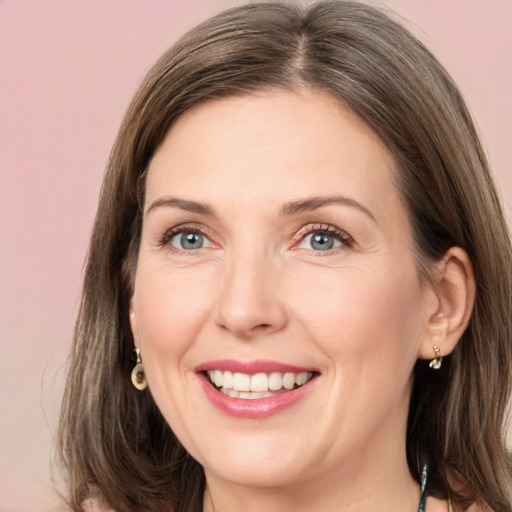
(277, 256)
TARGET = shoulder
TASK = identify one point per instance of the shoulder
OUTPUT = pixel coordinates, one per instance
(438, 505)
(478, 508)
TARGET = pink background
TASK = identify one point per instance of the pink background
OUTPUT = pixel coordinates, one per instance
(68, 70)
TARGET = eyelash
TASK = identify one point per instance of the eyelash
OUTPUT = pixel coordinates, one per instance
(345, 240)
(165, 239)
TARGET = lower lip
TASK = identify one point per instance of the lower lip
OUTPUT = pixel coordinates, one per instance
(257, 408)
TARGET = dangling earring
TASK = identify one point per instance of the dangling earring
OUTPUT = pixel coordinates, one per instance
(436, 363)
(138, 375)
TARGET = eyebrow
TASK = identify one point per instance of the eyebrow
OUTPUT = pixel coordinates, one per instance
(184, 204)
(313, 203)
(290, 208)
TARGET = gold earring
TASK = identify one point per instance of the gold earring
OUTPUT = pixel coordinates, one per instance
(138, 375)
(436, 363)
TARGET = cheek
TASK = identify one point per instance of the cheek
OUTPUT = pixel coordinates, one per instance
(171, 307)
(364, 315)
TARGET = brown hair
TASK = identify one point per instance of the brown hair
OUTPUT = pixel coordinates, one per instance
(113, 440)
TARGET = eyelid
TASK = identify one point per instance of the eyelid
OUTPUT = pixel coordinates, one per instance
(346, 239)
(169, 234)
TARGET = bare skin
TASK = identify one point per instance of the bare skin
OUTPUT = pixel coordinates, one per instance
(273, 231)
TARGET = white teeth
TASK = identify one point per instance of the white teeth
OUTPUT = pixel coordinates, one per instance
(242, 385)
(218, 378)
(241, 382)
(247, 395)
(227, 381)
(289, 380)
(259, 382)
(275, 381)
(301, 379)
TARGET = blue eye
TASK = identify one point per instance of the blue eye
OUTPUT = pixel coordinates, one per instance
(319, 241)
(189, 241)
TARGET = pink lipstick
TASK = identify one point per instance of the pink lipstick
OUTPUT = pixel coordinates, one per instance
(255, 389)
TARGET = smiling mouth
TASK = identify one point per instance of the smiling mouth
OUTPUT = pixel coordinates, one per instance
(258, 385)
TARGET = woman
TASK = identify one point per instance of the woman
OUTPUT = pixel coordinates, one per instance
(298, 291)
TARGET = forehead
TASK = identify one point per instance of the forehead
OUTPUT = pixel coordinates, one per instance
(280, 145)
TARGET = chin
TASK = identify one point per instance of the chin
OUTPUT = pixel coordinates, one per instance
(256, 461)
(255, 473)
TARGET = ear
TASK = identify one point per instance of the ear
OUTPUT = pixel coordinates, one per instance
(453, 285)
(133, 322)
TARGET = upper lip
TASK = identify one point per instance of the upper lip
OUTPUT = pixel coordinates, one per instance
(251, 367)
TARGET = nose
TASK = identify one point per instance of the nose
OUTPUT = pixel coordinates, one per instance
(249, 303)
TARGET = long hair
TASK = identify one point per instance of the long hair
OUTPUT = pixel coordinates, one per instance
(114, 442)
